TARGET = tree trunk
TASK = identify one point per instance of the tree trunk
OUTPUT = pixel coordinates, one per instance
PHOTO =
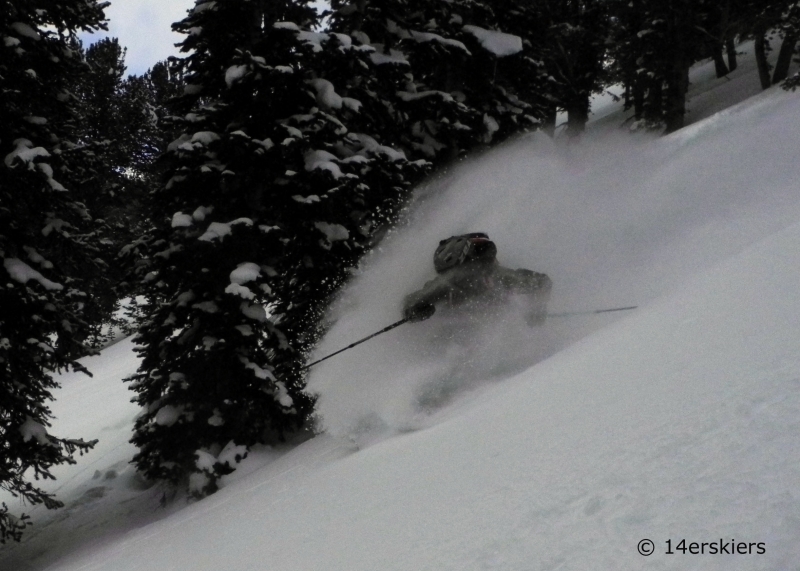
(784, 58)
(577, 117)
(549, 123)
(638, 87)
(361, 11)
(653, 108)
(677, 79)
(723, 32)
(685, 79)
(730, 46)
(761, 59)
(638, 100)
(677, 86)
(719, 61)
(638, 92)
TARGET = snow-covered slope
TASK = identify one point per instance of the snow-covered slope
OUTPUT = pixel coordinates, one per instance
(507, 448)
(615, 221)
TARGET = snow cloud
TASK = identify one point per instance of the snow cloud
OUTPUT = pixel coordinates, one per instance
(615, 220)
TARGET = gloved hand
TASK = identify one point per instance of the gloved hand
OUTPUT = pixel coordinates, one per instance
(419, 312)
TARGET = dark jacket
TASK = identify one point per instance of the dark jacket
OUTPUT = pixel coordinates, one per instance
(483, 282)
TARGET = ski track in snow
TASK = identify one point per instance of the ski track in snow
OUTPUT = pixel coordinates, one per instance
(508, 448)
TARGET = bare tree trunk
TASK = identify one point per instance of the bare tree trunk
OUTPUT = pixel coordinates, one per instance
(653, 107)
(675, 115)
(638, 98)
(677, 80)
(719, 61)
(549, 123)
(577, 117)
(730, 47)
(720, 32)
(720, 39)
(677, 86)
(634, 96)
(784, 58)
(761, 59)
(686, 82)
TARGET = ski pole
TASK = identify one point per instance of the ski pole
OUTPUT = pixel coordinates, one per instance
(590, 312)
(359, 342)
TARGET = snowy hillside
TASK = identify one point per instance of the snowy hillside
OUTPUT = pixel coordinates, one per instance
(509, 448)
(614, 221)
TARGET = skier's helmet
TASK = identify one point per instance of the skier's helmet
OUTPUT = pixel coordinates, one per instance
(456, 250)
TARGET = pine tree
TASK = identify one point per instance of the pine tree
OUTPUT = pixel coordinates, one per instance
(660, 41)
(628, 53)
(571, 41)
(420, 65)
(151, 95)
(118, 120)
(47, 237)
(450, 86)
(162, 83)
(273, 193)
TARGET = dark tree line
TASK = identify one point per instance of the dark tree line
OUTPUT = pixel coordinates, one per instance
(236, 188)
(657, 41)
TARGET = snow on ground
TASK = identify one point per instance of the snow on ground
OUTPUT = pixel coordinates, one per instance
(507, 448)
(614, 221)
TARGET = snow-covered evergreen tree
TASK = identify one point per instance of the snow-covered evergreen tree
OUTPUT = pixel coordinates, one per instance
(162, 83)
(118, 119)
(152, 94)
(275, 187)
(47, 236)
(448, 71)
(654, 45)
(569, 40)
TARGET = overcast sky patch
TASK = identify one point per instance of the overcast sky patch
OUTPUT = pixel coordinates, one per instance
(145, 28)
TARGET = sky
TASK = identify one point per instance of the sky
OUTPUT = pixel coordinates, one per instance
(145, 28)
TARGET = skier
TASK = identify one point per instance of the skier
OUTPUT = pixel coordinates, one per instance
(468, 274)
